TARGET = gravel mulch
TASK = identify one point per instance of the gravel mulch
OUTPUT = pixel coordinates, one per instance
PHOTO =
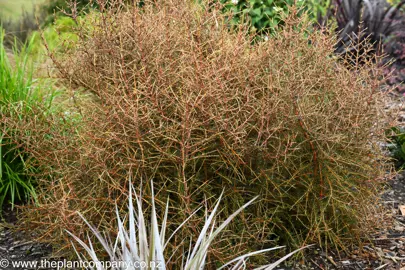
(17, 247)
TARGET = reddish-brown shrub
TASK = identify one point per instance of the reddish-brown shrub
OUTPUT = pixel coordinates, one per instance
(183, 99)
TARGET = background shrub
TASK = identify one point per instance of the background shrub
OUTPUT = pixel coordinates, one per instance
(62, 7)
(19, 29)
(263, 15)
(57, 37)
(397, 146)
(57, 8)
(181, 99)
(266, 16)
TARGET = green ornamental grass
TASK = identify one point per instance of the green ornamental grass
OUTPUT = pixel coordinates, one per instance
(20, 96)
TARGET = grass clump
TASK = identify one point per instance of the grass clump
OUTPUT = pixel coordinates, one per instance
(182, 99)
(20, 97)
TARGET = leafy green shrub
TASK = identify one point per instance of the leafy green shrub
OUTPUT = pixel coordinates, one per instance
(263, 15)
(181, 99)
(397, 146)
(57, 37)
(267, 15)
(60, 7)
(75, 8)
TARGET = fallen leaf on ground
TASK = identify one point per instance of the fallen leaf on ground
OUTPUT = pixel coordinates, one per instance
(402, 209)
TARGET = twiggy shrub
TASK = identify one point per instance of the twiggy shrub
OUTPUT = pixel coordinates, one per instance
(198, 108)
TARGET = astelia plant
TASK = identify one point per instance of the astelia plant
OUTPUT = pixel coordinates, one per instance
(145, 242)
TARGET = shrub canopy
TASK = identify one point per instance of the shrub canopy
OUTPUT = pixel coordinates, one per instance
(181, 99)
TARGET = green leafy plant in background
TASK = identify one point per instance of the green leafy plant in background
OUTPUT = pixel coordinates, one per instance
(149, 246)
(58, 7)
(397, 146)
(318, 9)
(58, 37)
(266, 15)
